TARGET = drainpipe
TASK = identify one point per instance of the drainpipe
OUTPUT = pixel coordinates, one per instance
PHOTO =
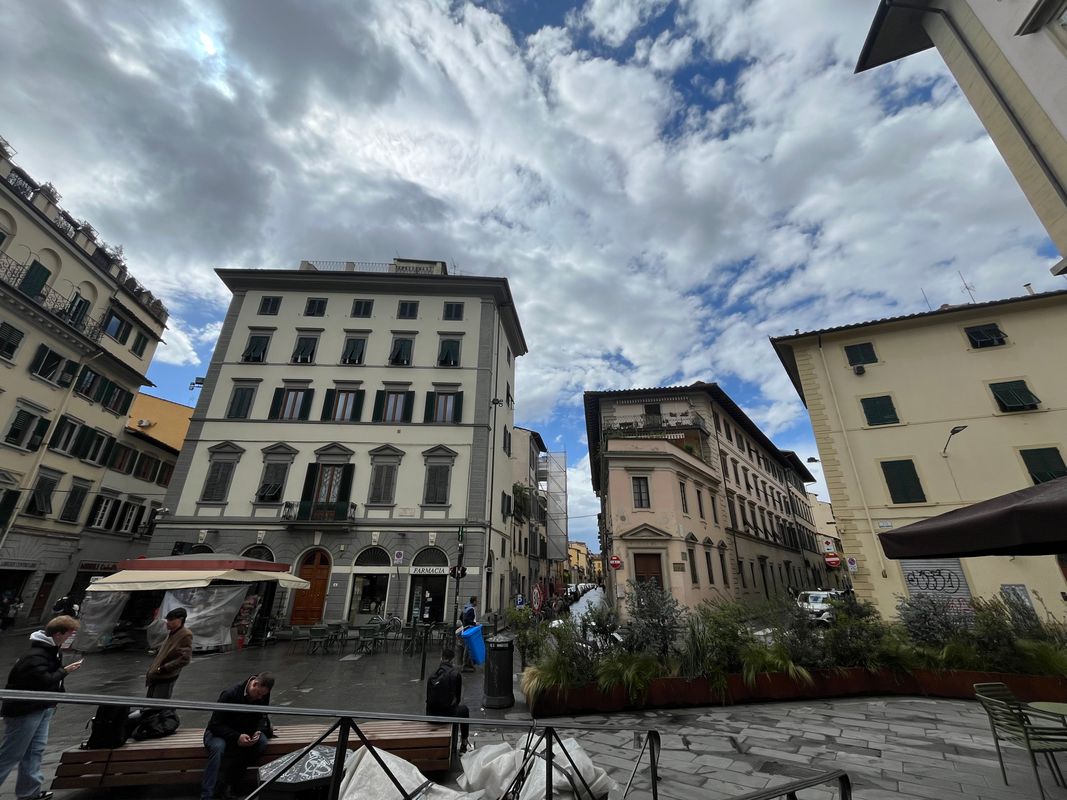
(1030, 144)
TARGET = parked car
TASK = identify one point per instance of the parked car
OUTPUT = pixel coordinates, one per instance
(818, 605)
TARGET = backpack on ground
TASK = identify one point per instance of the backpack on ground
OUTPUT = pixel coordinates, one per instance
(440, 693)
(109, 728)
(156, 724)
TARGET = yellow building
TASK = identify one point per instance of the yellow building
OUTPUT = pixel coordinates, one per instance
(1010, 59)
(579, 563)
(917, 415)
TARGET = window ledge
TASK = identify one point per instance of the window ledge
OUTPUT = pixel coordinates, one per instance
(869, 427)
(212, 503)
(379, 505)
(445, 506)
(999, 413)
(268, 503)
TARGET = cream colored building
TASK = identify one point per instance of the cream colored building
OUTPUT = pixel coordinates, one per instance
(579, 563)
(357, 422)
(77, 333)
(694, 496)
(1010, 59)
(885, 396)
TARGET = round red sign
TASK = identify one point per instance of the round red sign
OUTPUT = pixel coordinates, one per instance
(615, 562)
(832, 560)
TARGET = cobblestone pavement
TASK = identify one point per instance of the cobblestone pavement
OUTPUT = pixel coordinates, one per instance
(892, 748)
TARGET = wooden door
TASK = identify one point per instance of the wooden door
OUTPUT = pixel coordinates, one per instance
(308, 603)
(648, 567)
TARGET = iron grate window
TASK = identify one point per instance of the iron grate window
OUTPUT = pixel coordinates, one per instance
(1044, 464)
(1014, 396)
(989, 335)
(903, 481)
(879, 410)
(860, 354)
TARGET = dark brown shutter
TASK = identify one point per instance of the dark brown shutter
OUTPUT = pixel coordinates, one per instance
(305, 405)
(276, 404)
(310, 477)
(409, 406)
(379, 406)
(431, 399)
(327, 405)
(357, 406)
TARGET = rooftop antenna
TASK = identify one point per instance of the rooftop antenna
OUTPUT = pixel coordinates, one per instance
(927, 299)
(966, 286)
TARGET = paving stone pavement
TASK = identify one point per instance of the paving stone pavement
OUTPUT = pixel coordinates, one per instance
(891, 747)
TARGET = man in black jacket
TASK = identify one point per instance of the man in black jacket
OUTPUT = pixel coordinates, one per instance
(26, 721)
(239, 735)
(444, 695)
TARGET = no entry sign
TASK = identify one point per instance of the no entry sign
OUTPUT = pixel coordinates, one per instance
(615, 562)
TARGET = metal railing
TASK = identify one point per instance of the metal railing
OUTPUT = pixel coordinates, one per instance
(621, 425)
(311, 511)
(789, 790)
(345, 724)
(56, 304)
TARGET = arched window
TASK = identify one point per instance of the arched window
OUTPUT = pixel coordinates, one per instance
(373, 557)
(430, 557)
(260, 552)
(200, 548)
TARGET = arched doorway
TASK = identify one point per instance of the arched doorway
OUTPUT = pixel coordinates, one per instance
(429, 582)
(308, 603)
(259, 603)
(370, 585)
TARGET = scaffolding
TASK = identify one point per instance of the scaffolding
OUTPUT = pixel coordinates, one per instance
(552, 482)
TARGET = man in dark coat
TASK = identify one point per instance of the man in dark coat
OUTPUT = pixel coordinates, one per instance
(240, 735)
(26, 721)
(444, 695)
(174, 654)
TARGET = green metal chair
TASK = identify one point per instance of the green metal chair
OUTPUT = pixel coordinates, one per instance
(997, 691)
(1035, 731)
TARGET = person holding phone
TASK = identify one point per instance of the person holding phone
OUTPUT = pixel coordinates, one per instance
(26, 721)
(239, 735)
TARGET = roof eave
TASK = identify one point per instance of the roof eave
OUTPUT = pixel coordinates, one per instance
(895, 33)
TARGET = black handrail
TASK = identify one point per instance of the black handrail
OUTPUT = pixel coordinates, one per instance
(789, 790)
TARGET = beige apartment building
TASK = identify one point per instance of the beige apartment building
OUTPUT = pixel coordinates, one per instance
(77, 333)
(357, 422)
(1009, 58)
(695, 496)
(921, 414)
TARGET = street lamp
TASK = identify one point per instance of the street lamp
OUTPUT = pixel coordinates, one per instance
(951, 433)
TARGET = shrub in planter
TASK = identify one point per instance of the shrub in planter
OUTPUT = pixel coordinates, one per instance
(933, 619)
(856, 638)
(712, 641)
(567, 662)
(633, 671)
(655, 618)
(530, 633)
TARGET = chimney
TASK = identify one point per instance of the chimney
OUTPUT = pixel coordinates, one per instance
(1029, 288)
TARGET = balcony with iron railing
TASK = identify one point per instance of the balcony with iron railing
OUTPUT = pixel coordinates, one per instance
(64, 308)
(313, 512)
(615, 425)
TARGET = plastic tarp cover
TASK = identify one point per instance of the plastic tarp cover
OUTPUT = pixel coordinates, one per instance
(366, 780)
(211, 612)
(494, 767)
(100, 611)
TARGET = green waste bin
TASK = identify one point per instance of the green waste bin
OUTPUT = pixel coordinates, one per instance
(499, 678)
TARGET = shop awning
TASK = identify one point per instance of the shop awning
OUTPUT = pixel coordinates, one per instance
(137, 580)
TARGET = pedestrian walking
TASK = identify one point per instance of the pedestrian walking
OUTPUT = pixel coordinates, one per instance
(239, 735)
(468, 619)
(174, 655)
(14, 606)
(444, 696)
(65, 606)
(26, 721)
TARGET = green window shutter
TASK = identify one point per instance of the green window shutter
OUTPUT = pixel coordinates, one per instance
(305, 405)
(327, 405)
(38, 358)
(344, 490)
(127, 398)
(82, 442)
(457, 408)
(357, 406)
(860, 354)
(40, 430)
(34, 279)
(103, 387)
(276, 404)
(8, 503)
(112, 516)
(903, 481)
(379, 406)
(427, 415)
(61, 426)
(879, 410)
(10, 338)
(310, 478)
(106, 448)
(409, 406)
(1014, 396)
(1044, 464)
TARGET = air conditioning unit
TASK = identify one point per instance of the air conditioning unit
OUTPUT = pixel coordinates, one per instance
(859, 369)
(144, 423)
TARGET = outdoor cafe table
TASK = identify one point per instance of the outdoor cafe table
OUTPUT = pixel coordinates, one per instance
(1051, 708)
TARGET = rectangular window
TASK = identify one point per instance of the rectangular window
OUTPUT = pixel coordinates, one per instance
(711, 571)
(304, 352)
(1014, 396)
(292, 404)
(407, 309)
(270, 306)
(115, 398)
(693, 567)
(718, 422)
(129, 517)
(315, 307)
(728, 431)
(685, 499)
(34, 279)
(903, 481)
(394, 406)
(741, 572)
(989, 335)
(858, 354)
(879, 410)
(116, 327)
(255, 351)
(98, 447)
(240, 402)
(382, 484)
(400, 356)
(10, 338)
(345, 405)
(72, 508)
(166, 472)
(87, 381)
(76, 309)
(436, 491)
(27, 430)
(725, 572)
(140, 343)
(446, 407)
(47, 364)
(362, 308)
(640, 490)
(714, 509)
(1044, 464)
(64, 435)
(40, 502)
(700, 503)
(147, 467)
(104, 509)
(272, 484)
(448, 356)
(454, 311)
(355, 350)
(217, 485)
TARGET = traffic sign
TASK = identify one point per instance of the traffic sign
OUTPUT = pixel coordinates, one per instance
(853, 565)
(615, 562)
(833, 560)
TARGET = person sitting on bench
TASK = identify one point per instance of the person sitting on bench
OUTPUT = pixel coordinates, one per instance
(241, 736)
(444, 691)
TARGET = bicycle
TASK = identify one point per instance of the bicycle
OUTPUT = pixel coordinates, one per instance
(392, 625)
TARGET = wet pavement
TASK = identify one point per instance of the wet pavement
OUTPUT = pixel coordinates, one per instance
(892, 747)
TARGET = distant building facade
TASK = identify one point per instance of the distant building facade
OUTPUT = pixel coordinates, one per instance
(915, 416)
(77, 333)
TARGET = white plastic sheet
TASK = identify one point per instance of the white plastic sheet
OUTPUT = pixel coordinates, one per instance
(211, 611)
(99, 614)
(366, 780)
(493, 768)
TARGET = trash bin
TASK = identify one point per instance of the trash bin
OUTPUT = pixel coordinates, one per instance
(499, 688)
(472, 638)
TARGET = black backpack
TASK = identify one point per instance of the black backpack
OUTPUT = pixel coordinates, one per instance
(440, 691)
(109, 728)
(156, 724)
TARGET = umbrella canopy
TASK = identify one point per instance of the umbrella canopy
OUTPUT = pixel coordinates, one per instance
(1029, 522)
(135, 580)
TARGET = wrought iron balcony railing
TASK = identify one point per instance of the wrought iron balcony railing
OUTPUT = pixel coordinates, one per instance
(64, 308)
(311, 511)
(646, 423)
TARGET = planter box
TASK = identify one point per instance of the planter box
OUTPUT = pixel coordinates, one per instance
(778, 686)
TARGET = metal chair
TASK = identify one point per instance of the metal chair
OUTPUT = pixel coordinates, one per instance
(1035, 731)
(997, 691)
(318, 637)
(300, 634)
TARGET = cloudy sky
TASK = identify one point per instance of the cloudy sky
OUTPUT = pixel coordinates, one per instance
(666, 183)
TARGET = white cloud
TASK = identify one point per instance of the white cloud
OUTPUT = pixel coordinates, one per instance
(177, 348)
(614, 20)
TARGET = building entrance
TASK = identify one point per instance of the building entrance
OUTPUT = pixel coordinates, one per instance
(308, 603)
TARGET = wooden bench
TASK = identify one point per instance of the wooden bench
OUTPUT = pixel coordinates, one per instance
(180, 758)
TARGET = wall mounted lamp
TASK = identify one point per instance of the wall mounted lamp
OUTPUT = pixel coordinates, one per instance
(951, 433)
